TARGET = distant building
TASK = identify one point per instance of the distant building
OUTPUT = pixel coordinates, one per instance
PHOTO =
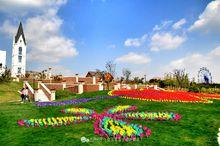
(2, 61)
(18, 67)
(97, 74)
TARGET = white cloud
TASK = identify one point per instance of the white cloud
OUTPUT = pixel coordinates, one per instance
(135, 42)
(45, 43)
(8, 28)
(165, 41)
(179, 24)
(57, 69)
(133, 58)
(163, 25)
(22, 7)
(209, 20)
(193, 62)
(215, 52)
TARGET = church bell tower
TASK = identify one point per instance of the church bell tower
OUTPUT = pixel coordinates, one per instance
(18, 67)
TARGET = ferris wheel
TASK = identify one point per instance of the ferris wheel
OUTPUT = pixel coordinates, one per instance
(204, 76)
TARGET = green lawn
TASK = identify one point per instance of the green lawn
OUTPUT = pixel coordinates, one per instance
(198, 126)
(8, 91)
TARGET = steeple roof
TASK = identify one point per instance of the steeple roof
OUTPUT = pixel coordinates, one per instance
(20, 32)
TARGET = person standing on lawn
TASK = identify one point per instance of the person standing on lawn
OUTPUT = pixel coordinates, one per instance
(22, 94)
(26, 97)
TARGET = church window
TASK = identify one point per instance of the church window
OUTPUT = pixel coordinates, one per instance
(20, 51)
(19, 70)
(19, 59)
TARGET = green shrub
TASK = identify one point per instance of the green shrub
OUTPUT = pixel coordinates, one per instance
(6, 76)
(210, 90)
(193, 89)
(203, 90)
(63, 94)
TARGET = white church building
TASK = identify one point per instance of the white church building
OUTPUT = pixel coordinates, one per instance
(2, 61)
(18, 67)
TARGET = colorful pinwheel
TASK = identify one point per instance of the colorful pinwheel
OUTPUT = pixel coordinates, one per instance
(109, 124)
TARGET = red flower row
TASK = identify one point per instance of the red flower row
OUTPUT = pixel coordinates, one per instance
(207, 96)
(164, 96)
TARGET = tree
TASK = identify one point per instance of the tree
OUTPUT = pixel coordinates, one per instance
(57, 78)
(107, 78)
(110, 67)
(99, 74)
(42, 75)
(6, 76)
(169, 80)
(138, 80)
(27, 75)
(126, 73)
(154, 81)
(181, 78)
(122, 79)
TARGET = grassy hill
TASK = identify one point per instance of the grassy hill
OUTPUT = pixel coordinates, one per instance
(198, 126)
(8, 91)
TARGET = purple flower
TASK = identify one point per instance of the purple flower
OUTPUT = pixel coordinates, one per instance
(73, 101)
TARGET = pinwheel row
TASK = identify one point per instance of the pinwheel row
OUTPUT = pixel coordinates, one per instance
(109, 124)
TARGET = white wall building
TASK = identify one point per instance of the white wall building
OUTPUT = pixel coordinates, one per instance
(18, 67)
(2, 61)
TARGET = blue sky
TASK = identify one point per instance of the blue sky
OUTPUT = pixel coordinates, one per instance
(148, 37)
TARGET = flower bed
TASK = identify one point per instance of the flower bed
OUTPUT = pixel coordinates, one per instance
(159, 96)
(78, 111)
(207, 96)
(74, 101)
(111, 128)
(53, 121)
(120, 109)
(156, 116)
(108, 124)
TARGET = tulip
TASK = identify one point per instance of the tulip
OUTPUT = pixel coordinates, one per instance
(108, 124)
(162, 96)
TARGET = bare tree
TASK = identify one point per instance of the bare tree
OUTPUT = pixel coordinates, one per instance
(6, 75)
(27, 75)
(110, 67)
(57, 77)
(181, 77)
(126, 73)
(42, 75)
(138, 80)
(99, 73)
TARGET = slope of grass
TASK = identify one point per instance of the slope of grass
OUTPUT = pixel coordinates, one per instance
(8, 91)
(198, 126)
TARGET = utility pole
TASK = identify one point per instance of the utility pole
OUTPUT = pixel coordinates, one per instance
(49, 74)
(145, 80)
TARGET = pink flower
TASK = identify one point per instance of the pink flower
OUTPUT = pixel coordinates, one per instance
(177, 117)
(148, 133)
(142, 135)
(126, 138)
(133, 137)
(145, 128)
(20, 122)
(118, 136)
(96, 131)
